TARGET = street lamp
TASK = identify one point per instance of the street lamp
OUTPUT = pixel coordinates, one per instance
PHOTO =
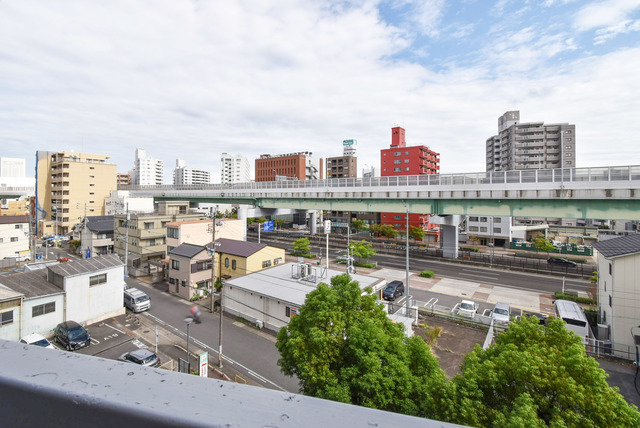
(188, 321)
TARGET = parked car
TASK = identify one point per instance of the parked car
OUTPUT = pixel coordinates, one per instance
(393, 290)
(37, 340)
(468, 308)
(18, 257)
(501, 313)
(71, 335)
(136, 300)
(142, 357)
(559, 261)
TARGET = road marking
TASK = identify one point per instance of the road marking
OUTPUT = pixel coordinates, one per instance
(94, 341)
(257, 376)
(119, 331)
(139, 344)
(475, 275)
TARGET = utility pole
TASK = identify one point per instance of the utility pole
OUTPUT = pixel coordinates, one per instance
(213, 255)
(408, 301)
(126, 244)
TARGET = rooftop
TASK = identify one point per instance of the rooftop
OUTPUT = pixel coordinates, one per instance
(31, 284)
(622, 246)
(187, 250)
(79, 267)
(237, 248)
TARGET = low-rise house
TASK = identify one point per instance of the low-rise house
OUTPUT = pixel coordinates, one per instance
(619, 292)
(14, 235)
(269, 298)
(189, 270)
(97, 238)
(198, 232)
(236, 258)
(85, 291)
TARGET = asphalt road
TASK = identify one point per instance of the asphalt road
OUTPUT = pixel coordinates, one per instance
(249, 351)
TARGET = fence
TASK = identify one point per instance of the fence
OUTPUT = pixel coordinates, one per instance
(572, 249)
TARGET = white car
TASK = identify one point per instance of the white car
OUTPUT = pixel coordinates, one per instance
(468, 309)
(37, 340)
(501, 314)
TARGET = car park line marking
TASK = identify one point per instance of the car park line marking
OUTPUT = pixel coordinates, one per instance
(139, 344)
(94, 341)
(197, 342)
(115, 329)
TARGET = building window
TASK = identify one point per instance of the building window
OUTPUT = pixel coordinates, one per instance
(473, 228)
(483, 229)
(397, 169)
(277, 261)
(406, 168)
(6, 318)
(184, 283)
(397, 153)
(233, 264)
(266, 263)
(18, 226)
(407, 161)
(175, 264)
(406, 153)
(291, 312)
(497, 229)
(609, 268)
(148, 225)
(473, 218)
(397, 161)
(46, 308)
(483, 219)
(173, 232)
(172, 281)
(14, 239)
(226, 262)
(497, 220)
(98, 279)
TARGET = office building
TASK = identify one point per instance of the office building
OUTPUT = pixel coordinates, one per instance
(70, 185)
(400, 159)
(234, 169)
(147, 170)
(184, 175)
(530, 145)
(291, 166)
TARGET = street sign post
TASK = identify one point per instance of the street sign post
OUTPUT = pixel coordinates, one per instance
(204, 364)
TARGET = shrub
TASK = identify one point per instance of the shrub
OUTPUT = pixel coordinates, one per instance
(471, 249)
(365, 265)
(426, 274)
(583, 300)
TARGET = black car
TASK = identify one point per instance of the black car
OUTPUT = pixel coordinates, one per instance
(393, 290)
(559, 261)
(71, 335)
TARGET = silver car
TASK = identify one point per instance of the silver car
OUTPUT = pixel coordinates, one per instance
(501, 313)
(142, 357)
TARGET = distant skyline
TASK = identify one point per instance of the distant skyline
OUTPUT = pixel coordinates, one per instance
(194, 79)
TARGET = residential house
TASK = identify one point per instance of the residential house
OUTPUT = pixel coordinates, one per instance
(97, 238)
(14, 235)
(198, 232)
(619, 292)
(237, 258)
(189, 270)
(85, 291)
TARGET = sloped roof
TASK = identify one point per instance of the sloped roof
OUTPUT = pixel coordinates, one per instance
(100, 223)
(621, 246)
(187, 250)
(10, 219)
(79, 267)
(31, 284)
(237, 248)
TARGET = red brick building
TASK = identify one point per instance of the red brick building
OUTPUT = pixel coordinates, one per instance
(401, 159)
(292, 166)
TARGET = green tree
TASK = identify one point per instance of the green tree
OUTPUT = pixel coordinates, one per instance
(301, 246)
(357, 225)
(543, 244)
(262, 220)
(343, 347)
(279, 223)
(536, 376)
(416, 233)
(388, 231)
(375, 229)
(251, 220)
(362, 250)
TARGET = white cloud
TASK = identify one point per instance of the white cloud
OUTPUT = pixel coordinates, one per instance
(608, 33)
(604, 14)
(194, 79)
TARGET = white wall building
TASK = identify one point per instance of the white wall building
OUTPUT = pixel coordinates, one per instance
(148, 170)
(12, 167)
(234, 169)
(14, 235)
(487, 230)
(619, 291)
(85, 291)
(119, 201)
(271, 303)
(184, 175)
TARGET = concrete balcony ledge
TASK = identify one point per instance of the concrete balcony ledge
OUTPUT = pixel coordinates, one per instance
(46, 387)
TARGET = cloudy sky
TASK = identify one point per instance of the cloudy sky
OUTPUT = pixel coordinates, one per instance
(194, 79)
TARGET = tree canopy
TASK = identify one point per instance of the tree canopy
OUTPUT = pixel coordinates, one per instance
(302, 246)
(543, 244)
(536, 376)
(343, 347)
(416, 233)
(357, 225)
(362, 250)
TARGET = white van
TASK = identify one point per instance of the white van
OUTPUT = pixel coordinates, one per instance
(574, 316)
(136, 300)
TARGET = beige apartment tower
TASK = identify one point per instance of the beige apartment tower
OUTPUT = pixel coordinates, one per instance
(67, 184)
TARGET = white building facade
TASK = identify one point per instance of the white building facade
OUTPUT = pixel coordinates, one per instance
(12, 167)
(184, 175)
(14, 235)
(234, 169)
(148, 170)
(119, 201)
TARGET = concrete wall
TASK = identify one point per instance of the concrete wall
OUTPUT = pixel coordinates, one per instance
(85, 303)
(9, 231)
(270, 312)
(11, 331)
(42, 324)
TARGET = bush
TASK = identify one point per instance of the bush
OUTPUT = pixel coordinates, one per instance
(583, 300)
(426, 274)
(470, 249)
(305, 255)
(365, 265)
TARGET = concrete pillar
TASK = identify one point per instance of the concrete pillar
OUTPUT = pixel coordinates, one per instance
(242, 213)
(313, 220)
(448, 234)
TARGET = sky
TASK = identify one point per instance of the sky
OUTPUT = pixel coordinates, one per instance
(193, 79)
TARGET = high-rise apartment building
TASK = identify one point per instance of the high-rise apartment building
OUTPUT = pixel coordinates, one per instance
(234, 169)
(401, 159)
(345, 166)
(147, 170)
(124, 179)
(184, 175)
(12, 167)
(291, 166)
(531, 145)
(68, 186)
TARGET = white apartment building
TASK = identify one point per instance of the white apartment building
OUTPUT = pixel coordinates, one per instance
(12, 167)
(148, 170)
(119, 201)
(184, 175)
(235, 169)
(531, 145)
